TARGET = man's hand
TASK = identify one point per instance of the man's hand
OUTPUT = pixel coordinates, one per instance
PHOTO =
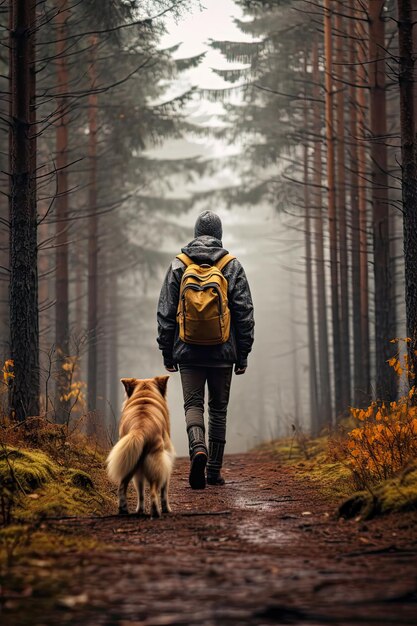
(171, 368)
(240, 370)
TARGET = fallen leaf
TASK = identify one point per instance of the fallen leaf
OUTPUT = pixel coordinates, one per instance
(367, 541)
(72, 601)
(306, 513)
(33, 496)
(39, 563)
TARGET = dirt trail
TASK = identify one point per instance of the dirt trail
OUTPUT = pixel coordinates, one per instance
(268, 552)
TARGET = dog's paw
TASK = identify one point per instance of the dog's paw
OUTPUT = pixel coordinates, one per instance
(166, 509)
(155, 512)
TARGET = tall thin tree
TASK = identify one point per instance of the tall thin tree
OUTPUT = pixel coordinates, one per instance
(92, 232)
(386, 384)
(325, 404)
(24, 322)
(339, 36)
(331, 199)
(312, 363)
(408, 172)
(354, 207)
(61, 214)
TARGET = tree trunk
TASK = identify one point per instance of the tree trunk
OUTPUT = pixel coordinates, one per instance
(295, 370)
(114, 383)
(45, 339)
(355, 224)
(365, 387)
(62, 406)
(386, 382)
(4, 279)
(409, 173)
(79, 320)
(341, 210)
(333, 240)
(102, 339)
(314, 415)
(92, 236)
(24, 323)
(325, 405)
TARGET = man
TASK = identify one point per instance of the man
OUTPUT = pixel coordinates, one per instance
(211, 364)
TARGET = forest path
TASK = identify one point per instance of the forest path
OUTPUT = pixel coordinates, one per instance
(264, 549)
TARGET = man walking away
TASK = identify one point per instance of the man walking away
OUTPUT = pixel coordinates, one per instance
(205, 326)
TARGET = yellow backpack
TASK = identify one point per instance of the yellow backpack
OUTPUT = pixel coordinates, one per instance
(203, 311)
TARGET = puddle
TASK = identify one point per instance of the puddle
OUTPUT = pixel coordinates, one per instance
(260, 530)
(253, 505)
(257, 533)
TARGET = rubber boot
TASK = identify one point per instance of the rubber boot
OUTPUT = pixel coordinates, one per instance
(198, 457)
(215, 462)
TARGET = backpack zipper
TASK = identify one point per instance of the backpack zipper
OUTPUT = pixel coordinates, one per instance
(200, 277)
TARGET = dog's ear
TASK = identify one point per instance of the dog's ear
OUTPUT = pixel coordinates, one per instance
(161, 382)
(129, 385)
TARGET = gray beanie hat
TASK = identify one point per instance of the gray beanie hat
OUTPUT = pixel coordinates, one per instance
(208, 223)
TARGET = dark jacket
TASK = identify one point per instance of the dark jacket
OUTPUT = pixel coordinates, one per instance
(206, 249)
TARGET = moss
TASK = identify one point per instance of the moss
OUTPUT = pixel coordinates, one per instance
(309, 457)
(80, 479)
(296, 450)
(24, 543)
(394, 495)
(40, 488)
(28, 469)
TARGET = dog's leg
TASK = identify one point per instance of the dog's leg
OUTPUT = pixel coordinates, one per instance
(165, 498)
(155, 512)
(139, 483)
(123, 510)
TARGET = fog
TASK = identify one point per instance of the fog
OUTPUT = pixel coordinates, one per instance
(264, 402)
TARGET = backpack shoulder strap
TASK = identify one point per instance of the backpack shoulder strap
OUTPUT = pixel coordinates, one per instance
(185, 259)
(221, 264)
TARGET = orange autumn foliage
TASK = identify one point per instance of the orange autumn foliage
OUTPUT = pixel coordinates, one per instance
(385, 440)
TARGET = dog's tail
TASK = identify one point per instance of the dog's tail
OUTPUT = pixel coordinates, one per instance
(124, 456)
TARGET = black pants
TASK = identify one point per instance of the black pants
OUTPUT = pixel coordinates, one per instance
(218, 379)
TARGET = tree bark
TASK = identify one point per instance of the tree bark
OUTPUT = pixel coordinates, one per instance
(325, 405)
(386, 382)
(409, 173)
(114, 383)
(314, 415)
(92, 236)
(296, 387)
(24, 322)
(333, 240)
(365, 387)
(354, 207)
(341, 211)
(62, 406)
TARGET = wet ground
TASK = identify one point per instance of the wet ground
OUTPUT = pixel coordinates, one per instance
(264, 549)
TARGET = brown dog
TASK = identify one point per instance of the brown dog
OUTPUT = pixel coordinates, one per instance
(144, 450)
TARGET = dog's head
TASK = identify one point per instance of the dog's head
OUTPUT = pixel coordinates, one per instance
(158, 382)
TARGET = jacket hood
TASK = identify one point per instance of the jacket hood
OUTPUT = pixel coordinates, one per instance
(205, 249)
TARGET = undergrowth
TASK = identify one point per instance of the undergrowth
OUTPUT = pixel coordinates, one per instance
(371, 459)
(47, 471)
